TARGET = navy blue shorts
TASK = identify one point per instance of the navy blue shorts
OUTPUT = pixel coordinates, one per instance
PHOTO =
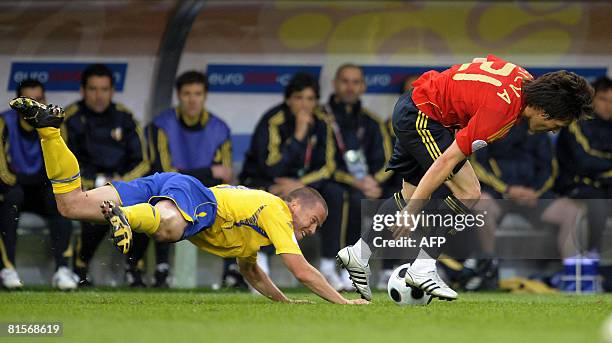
(419, 141)
(196, 202)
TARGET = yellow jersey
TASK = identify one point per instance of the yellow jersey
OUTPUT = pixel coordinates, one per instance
(246, 220)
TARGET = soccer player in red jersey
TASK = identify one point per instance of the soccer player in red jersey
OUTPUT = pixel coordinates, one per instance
(445, 118)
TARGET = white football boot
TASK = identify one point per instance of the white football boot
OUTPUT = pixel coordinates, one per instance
(10, 278)
(431, 283)
(359, 274)
(64, 279)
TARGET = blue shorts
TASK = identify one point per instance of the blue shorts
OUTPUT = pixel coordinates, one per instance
(196, 202)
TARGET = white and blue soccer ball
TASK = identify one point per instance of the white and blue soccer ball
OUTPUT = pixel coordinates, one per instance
(402, 294)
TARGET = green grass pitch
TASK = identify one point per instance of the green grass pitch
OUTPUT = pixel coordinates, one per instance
(202, 316)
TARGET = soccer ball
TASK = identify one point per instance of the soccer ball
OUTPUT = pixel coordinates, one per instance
(402, 294)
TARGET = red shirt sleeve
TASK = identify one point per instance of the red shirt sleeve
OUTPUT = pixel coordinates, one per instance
(424, 78)
(483, 128)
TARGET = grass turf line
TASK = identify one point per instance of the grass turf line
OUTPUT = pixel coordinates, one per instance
(151, 316)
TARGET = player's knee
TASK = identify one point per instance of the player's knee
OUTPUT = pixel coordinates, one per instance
(475, 192)
(161, 235)
(468, 193)
(70, 205)
(171, 222)
(66, 209)
(168, 234)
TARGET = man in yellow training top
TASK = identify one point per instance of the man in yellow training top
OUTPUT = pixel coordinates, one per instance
(228, 221)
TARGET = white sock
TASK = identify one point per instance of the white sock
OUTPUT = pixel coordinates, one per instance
(346, 280)
(263, 263)
(327, 264)
(363, 252)
(423, 263)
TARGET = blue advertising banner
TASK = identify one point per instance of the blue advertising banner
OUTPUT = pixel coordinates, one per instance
(242, 78)
(390, 79)
(588, 73)
(60, 76)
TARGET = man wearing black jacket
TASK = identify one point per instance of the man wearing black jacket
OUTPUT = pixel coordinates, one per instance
(584, 150)
(108, 144)
(291, 143)
(293, 146)
(191, 140)
(363, 146)
(24, 187)
(522, 170)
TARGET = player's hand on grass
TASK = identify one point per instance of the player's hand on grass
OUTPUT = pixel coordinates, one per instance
(358, 302)
(301, 301)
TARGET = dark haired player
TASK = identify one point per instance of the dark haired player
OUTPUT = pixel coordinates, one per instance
(444, 119)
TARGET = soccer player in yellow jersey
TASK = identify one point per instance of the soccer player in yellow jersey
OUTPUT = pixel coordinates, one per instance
(228, 221)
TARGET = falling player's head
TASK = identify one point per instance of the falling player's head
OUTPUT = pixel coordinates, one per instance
(191, 90)
(554, 100)
(308, 209)
(349, 83)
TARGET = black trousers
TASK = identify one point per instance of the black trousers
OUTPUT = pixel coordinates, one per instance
(343, 224)
(88, 242)
(599, 207)
(136, 255)
(419, 141)
(93, 234)
(38, 199)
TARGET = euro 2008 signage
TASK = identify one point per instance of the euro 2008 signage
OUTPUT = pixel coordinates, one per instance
(248, 78)
(60, 76)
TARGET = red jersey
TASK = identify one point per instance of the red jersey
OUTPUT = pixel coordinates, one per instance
(483, 99)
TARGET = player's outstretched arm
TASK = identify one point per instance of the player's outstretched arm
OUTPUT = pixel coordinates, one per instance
(438, 172)
(260, 281)
(433, 178)
(311, 278)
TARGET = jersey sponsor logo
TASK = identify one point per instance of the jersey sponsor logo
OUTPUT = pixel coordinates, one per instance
(60, 76)
(478, 144)
(244, 78)
(252, 221)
